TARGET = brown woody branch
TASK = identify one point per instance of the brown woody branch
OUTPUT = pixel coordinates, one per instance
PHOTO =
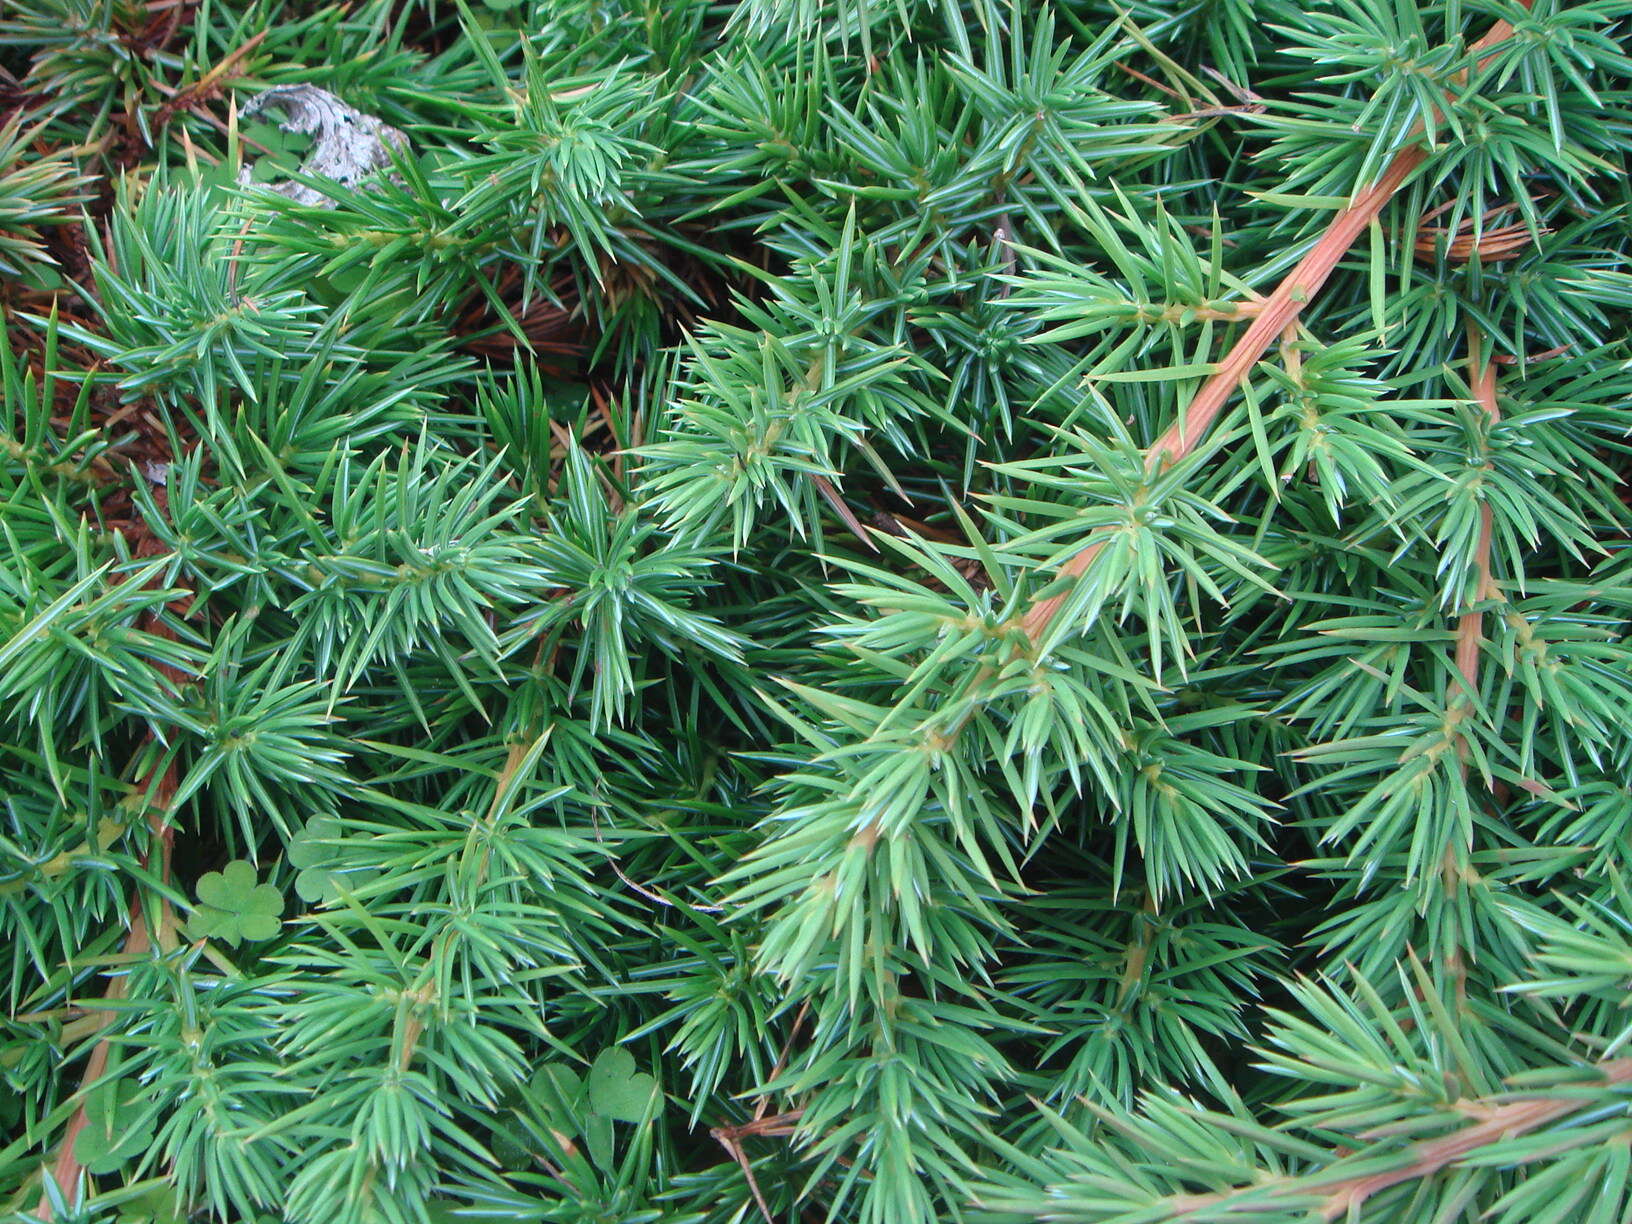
(1343, 1197)
(1470, 627)
(159, 789)
(1278, 312)
(66, 1170)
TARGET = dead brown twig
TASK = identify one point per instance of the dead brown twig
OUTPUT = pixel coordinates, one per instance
(636, 886)
(1491, 244)
(842, 508)
(207, 86)
(777, 1125)
(730, 1138)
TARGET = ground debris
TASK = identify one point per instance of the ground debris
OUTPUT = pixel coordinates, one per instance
(347, 147)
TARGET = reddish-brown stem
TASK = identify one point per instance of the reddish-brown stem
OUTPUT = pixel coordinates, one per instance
(1470, 628)
(66, 1170)
(1501, 1122)
(159, 788)
(1343, 1198)
(189, 97)
(1274, 315)
(731, 1137)
(1281, 308)
(1470, 635)
(1277, 312)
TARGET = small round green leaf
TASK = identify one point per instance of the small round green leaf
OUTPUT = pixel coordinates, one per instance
(321, 862)
(117, 1127)
(233, 907)
(616, 1089)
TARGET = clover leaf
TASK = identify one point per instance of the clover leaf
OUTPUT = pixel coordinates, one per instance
(232, 906)
(159, 1205)
(284, 150)
(117, 1127)
(560, 1089)
(554, 1096)
(314, 851)
(598, 1140)
(616, 1089)
(587, 1106)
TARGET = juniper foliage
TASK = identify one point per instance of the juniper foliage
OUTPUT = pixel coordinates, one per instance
(878, 611)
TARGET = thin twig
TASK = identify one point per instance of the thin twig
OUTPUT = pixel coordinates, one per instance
(190, 96)
(730, 1138)
(1240, 92)
(782, 1059)
(640, 888)
(160, 789)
